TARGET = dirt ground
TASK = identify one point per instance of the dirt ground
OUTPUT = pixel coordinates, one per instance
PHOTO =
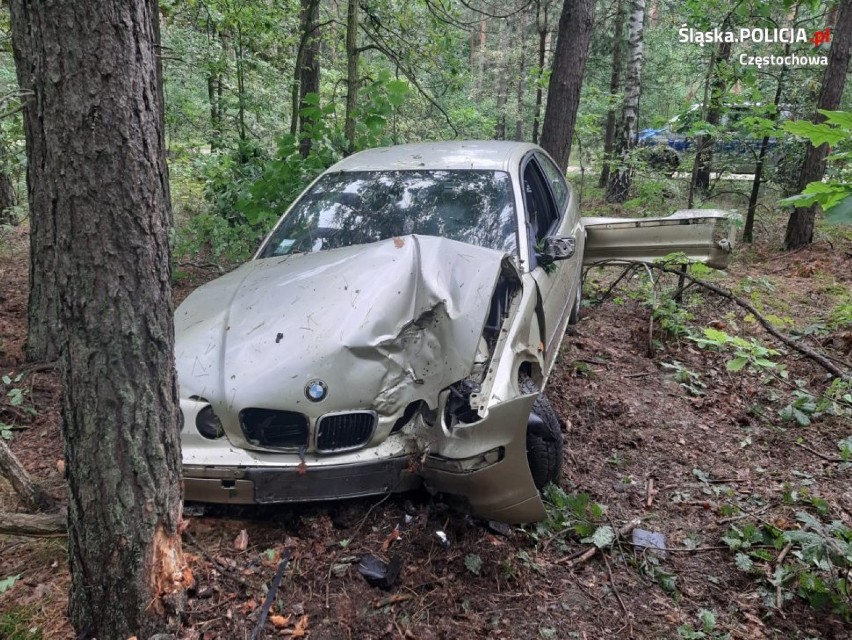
(638, 443)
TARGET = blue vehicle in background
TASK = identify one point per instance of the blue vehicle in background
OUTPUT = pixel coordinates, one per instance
(734, 151)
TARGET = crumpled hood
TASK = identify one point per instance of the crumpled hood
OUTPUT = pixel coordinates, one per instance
(381, 324)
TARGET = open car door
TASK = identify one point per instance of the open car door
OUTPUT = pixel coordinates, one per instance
(704, 235)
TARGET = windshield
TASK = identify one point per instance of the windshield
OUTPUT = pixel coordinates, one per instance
(359, 207)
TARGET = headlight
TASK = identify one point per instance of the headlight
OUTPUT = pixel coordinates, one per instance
(208, 424)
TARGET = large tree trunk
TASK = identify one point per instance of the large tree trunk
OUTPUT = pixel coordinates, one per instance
(614, 82)
(800, 226)
(351, 74)
(569, 65)
(97, 176)
(620, 179)
(42, 344)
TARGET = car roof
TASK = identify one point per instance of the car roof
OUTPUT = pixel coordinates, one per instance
(488, 155)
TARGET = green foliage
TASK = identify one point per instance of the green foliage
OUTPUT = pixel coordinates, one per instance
(16, 394)
(841, 316)
(747, 353)
(689, 380)
(16, 624)
(573, 513)
(835, 194)
(816, 566)
(212, 235)
(473, 563)
(671, 317)
(8, 582)
(652, 198)
(706, 628)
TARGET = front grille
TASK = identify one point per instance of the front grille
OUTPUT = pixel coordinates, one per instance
(270, 428)
(341, 431)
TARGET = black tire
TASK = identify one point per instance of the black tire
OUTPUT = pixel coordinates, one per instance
(575, 310)
(544, 439)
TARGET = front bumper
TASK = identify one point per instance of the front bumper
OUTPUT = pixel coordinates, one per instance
(269, 485)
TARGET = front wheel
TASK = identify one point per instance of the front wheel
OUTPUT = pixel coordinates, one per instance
(544, 440)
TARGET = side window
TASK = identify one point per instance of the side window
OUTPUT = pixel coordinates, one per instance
(556, 180)
(541, 210)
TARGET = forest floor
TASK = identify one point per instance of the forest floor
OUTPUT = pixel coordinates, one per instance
(698, 465)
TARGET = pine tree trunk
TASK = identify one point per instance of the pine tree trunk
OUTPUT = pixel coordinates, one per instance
(309, 79)
(351, 74)
(621, 178)
(614, 82)
(566, 79)
(542, 29)
(800, 226)
(99, 190)
(8, 199)
(522, 79)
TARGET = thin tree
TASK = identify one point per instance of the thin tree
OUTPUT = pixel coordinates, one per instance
(98, 186)
(800, 226)
(614, 83)
(621, 177)
(352, 55)
(542, 27)
(566, 79)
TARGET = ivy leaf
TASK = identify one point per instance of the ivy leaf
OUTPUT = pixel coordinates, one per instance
(602, 537)
(473, 563)
(743, 562)
(8, 583)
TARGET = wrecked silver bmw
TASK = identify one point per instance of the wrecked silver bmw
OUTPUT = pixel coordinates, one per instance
(397, 328)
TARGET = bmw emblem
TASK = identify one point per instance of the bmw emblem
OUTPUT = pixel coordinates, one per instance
(316, 390)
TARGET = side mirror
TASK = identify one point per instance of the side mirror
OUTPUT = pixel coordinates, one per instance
(555, 248)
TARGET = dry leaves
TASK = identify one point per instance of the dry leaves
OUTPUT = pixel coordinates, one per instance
(241, 541)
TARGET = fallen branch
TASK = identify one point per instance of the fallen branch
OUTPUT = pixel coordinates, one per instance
(819, 358)
(41, 525)
(818, 454)
(779, 595)
(627, 613)
(589, 553)
(270, 595)
(13, 470)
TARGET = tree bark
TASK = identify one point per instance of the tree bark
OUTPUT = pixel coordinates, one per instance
(621, 178)
(704, 159)
(569, 65)
(41, 525)
(800, 226)
(748, 228)
(42, 343)
(614, 83)
(98, 177)
(543, 30)
(351, 75)
(522, 79)
(309, 78)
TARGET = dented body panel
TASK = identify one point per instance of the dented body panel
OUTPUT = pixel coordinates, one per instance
(705, 235)
(318, 371)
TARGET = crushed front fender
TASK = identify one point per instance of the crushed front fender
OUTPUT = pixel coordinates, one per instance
(485, 464)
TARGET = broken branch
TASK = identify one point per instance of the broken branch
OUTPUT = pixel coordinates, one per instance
(819, 358)
(41, 525)
(13, 470)
(589, 553)
(270, 595)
